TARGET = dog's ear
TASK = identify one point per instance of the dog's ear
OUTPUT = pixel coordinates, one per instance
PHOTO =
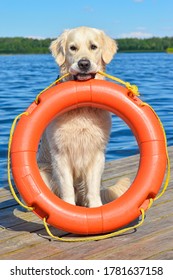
(57, 48)
(109, 48)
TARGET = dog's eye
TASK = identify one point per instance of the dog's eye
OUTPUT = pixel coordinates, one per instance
(73, 48)
(93, 47)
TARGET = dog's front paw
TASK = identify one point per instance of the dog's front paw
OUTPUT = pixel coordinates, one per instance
(94, 202)
(69, 199)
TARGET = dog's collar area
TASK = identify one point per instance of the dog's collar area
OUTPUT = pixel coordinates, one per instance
(84, 76)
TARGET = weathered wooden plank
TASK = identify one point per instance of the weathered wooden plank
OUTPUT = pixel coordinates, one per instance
(34, 247)
(16, 243)
(144, 249)
(164, 255)
(111, 248)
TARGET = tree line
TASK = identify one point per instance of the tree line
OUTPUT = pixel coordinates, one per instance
(154, 44)
(21, 45)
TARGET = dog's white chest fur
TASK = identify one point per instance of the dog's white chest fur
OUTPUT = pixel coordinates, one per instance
(78, 135)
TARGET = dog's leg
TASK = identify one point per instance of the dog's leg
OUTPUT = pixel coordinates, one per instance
(93, 178)
(62, 174)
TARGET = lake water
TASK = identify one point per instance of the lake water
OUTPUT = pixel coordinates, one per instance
(22, 77)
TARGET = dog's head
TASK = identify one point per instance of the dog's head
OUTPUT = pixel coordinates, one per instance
(83, 51)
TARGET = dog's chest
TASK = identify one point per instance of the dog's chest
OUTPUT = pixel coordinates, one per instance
(84, 126)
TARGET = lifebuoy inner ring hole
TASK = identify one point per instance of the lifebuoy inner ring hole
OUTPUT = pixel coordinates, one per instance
(121, 137)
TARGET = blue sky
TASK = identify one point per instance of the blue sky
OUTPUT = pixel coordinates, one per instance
(118, 18)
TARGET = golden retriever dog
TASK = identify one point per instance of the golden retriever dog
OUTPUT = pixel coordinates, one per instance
(72, 151)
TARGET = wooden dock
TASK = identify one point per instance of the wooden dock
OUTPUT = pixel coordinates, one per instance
(23, 237)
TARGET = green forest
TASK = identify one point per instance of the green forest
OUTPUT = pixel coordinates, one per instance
(21, 45)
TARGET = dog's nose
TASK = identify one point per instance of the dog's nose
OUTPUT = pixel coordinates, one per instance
(84, 64)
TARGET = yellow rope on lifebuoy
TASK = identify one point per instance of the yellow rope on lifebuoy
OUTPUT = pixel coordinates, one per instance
(167, 179)
(9, 164)
(95, 238)
(52, 84)
(132, 88)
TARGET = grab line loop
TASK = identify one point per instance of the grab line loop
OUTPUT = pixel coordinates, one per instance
(94, 238)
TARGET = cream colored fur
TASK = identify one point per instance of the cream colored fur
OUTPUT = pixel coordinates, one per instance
(71, 156)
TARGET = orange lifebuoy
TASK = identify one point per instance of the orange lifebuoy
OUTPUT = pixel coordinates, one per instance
(101, 94)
